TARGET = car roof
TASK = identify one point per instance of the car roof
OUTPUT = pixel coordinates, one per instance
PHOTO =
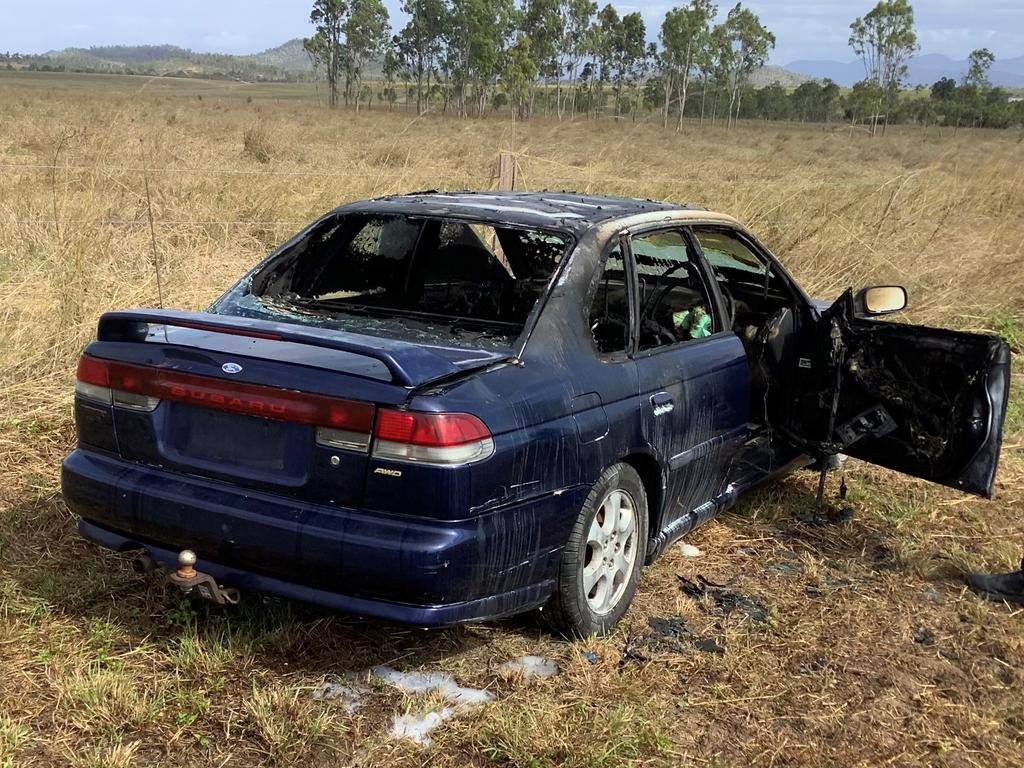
(544, 210)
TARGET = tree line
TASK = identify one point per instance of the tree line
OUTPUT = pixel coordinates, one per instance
(570, 57)
(561, 57)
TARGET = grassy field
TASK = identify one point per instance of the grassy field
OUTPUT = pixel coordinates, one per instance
(868, 650)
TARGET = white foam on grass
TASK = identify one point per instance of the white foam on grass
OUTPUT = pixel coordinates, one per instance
(529, 666)
(419, 727)
(433, 682)
(689, 550)
(351, 695)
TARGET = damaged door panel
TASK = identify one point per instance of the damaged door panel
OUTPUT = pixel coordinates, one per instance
(694, 379)
(923, 401)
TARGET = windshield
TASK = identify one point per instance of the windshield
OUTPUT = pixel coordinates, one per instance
(422, 279)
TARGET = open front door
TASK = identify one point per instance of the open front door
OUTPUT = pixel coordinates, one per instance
(924, 401)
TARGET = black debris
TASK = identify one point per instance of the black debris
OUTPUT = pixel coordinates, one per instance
(669, 635)
(923, 636)
(830, 515)
(708, 645)
(725, 601)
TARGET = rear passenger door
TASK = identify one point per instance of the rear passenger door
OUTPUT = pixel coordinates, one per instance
(694, 381)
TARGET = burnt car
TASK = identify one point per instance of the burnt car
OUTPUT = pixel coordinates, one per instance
(437, 408)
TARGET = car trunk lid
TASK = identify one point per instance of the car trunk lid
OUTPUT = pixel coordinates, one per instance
(272, 405)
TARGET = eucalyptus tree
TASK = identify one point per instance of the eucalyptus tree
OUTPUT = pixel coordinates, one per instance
(884, 39)
(518, 75)
(391, 68)
(420, 44)
(630, 54)
(622, 44)
(684, 32)
(974, 85)
(750, 42)
(711, 60)
(577, 22)
(979, 63)
(325, 47)
(366, 31)
(544, 26)
(476, 37)
(604, 41)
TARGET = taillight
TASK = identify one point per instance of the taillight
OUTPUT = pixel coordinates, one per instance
(431, 438)
(340, 423)
(98, 381)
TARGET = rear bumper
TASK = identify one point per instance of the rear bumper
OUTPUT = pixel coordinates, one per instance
(413, 570)
(514, 601)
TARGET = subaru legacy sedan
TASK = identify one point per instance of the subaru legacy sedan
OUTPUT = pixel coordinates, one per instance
(439, 408)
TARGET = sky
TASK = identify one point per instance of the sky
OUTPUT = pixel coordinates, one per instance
(803, 30)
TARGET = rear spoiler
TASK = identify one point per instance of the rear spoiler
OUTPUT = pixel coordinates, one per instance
(409, 365)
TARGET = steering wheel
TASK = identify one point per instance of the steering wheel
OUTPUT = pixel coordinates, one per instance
(659, 293)
(730, 304)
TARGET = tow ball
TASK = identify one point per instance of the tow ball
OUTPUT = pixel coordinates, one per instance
(188, 579)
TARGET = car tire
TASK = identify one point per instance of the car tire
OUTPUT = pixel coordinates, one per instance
(600, 565)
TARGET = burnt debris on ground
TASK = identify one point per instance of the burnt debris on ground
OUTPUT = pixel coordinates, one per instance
(668, 635)
(724, 600)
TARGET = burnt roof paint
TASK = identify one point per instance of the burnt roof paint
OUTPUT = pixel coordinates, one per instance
(541, 210)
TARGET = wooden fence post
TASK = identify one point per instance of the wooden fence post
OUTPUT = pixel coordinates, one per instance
(506, 172)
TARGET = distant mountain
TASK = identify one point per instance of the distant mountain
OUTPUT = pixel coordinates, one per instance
(768, 74)
(290, 56)
(123, 54)
(284, 62)
(922, 70)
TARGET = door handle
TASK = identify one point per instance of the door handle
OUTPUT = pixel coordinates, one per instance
(662, 403)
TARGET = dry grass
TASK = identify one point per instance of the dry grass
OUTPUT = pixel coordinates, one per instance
(873, 653)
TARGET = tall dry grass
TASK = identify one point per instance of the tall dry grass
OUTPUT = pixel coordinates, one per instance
(873, 654)
(229, 180)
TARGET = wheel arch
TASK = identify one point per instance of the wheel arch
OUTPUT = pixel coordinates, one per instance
(652, 475)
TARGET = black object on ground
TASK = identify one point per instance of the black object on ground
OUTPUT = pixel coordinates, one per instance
(1007, 587)
(725, 600)
(670, 635)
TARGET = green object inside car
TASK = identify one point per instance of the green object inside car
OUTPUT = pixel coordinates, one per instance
(696, 322)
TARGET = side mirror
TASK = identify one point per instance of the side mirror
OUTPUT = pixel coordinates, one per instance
(880, 300)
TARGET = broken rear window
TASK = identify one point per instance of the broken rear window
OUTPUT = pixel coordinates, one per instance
(421, 279)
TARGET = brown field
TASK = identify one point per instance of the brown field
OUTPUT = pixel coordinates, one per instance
(872, 652)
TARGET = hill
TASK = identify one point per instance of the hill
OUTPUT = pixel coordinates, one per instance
(290, 57)
(769, 74)
(285, 62)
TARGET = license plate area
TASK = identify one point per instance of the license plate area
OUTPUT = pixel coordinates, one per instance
(220, 443)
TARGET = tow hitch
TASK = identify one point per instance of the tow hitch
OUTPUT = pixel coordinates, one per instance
(187, 579)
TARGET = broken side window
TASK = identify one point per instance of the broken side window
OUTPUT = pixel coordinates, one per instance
(753, 291)
(415, 277)
(674, 302)
(609, 310)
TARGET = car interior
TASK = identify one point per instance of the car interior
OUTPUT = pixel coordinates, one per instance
(674, 307)
(760, 304)
(454, 271)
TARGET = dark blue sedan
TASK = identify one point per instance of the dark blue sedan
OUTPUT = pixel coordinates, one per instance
(437, 408)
